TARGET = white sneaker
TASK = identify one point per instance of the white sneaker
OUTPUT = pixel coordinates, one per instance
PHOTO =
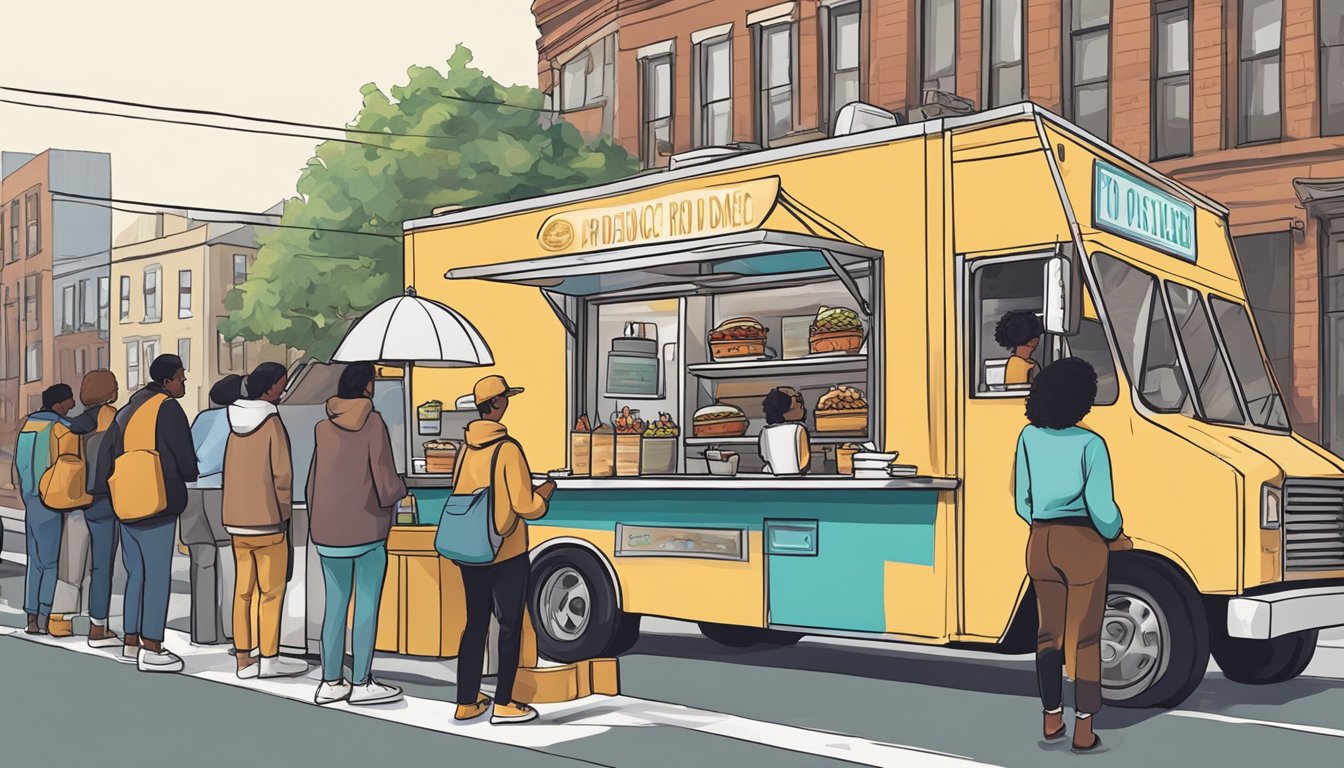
(279, 666)
(249, 672)
(330, 693)
(158, 661)
(130, 654)
(111, 641)
(374, 692)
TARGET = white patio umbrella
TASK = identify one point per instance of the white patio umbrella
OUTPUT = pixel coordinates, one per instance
(415, 330)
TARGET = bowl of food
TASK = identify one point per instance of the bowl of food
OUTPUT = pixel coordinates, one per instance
(740, 337)
(836, 330)
(719, 420)
(842, 409)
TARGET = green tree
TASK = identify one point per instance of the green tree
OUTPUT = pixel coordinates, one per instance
(340, 251)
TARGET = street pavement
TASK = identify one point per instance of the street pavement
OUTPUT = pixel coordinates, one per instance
(685, 701)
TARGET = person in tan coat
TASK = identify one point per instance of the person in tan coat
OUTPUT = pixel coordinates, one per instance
(502, 583)
(258, 502)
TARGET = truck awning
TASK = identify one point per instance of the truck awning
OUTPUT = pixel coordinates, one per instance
(759, 256)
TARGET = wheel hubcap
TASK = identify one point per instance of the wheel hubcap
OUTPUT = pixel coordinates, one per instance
(566, 604)
(1133, 644)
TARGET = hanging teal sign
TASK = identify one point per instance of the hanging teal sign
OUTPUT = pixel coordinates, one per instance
(1126, 206)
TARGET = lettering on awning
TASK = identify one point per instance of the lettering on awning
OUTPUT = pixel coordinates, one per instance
(1126, 206)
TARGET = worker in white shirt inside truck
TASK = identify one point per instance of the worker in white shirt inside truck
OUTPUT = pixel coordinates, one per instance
(784, 441)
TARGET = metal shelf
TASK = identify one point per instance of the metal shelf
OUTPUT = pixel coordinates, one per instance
(752, 369)
(753, 440)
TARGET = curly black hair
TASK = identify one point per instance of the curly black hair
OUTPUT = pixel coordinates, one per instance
(776, 405)
(1017, 328)
(1062, 394)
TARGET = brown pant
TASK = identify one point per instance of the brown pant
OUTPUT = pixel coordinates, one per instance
(261, 565)
(1067, 564)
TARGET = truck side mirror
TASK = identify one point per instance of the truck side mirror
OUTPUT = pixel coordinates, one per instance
(1063, 293)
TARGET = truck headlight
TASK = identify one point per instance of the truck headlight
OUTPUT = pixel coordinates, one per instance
(1271, 506)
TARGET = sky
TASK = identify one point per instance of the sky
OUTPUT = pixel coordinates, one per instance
(288, 59)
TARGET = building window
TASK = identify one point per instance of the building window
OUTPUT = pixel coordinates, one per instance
(32, 302)
(1331, 25)
(33, 210)
(939, 46)
(842, 57)
(68, 309)
(33, 369)
(81, 363)
(125, 297)
(153, 314)
(1266, 263)
(102, 358)
(239, 268)
(14, 231)
(133, 364)
(1007, 81)
(184, 293)
(4, 235)
(104, 302)
(774, 78)
(184, 352)
(1171, 80)
(232, 355)
(584, 78)
(714, 92)
(1087, 91)
(150, 352)
(657, 108)
(1260, 73)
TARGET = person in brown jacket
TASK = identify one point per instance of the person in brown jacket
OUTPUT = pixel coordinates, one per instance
(504, 581)
(258, 501)
(353, 490)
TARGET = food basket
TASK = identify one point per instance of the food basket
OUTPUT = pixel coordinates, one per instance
(835, 329)
(731, 350)
(580, 453)
(440, 457)
(628, 452)
(658, 456)
(837, 341)
(603, 461)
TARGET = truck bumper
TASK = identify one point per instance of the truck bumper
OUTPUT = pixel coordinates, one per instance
(1262, 617)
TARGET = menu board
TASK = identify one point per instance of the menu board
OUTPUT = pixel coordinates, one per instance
(708, 543)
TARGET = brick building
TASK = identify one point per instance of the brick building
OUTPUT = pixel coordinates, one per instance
(1241, 99)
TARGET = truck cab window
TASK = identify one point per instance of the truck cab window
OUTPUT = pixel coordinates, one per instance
(1090, 344)
(1135, 308)
(999, 289)
(1213, 381)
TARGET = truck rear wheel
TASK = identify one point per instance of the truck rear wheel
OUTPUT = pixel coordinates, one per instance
(1262, 662)
(744, 637)
(1154, 638)
(574, 608)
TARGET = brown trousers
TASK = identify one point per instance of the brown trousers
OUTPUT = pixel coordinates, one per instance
(1067, 564)
(259, 591)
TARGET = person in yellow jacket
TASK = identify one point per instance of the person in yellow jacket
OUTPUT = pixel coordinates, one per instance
(1020, 332)
(45, 435)
(502, 583)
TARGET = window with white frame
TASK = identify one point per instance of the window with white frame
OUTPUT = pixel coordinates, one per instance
(1330, 22)
(184, 293)
(149, 351)
(125, 310)
(133, 379)
(239, 268)
(184, 352)
(774, 82)
(586, 78)
(842, 57)
(32, 370)
(104, 301)
(1007, 81)
(32, 302)
(32, 207)
(657, 107)
(1260, 74)
(1087, 94)
(1172, 136)
(939, 46)
(67, 309)
(153, 312)
(14, 227)
(714, 91)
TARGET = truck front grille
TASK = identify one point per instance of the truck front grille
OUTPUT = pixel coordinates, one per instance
(1313, 525)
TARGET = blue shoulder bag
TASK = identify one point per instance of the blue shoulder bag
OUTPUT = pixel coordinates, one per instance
(466, 533)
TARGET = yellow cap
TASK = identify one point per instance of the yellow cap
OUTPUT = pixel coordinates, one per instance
(490, 387)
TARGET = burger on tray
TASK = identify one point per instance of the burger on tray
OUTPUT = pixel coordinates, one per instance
(719, 420)
(836, 329)
(738, 337)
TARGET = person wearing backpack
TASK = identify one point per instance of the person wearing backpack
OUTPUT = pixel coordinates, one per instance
(90, 540)
(258, 504)
(201, 526)
(353, 490)
(153, 460)
(496, 461)
(44, 435)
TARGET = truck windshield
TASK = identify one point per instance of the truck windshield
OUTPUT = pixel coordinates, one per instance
(1262, 396)
(1209, 371)
(1147, 346)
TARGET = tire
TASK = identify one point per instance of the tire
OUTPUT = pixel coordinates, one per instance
(572, 602)
(1264, 662)
(1154, 636)
(745, 637)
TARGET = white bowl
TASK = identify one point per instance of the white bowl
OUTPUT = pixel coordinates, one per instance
(885, 458)
(871, 474)
(871, 464)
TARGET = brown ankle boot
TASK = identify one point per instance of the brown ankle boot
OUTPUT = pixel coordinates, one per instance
(1084, 740)
(34, 628)
(1054, 725)
(60, 626)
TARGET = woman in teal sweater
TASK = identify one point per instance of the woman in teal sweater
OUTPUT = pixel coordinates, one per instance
(1063, 491)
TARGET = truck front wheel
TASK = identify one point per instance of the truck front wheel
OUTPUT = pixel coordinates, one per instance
(574, 608)
(1154, 638)
(1262, 662)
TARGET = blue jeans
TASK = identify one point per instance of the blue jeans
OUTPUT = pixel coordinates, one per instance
(42, 527)
(103, 527)
(357, 572)
(147, 551)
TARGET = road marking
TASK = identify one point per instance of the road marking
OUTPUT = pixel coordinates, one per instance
(1318, 730)
(560, 723)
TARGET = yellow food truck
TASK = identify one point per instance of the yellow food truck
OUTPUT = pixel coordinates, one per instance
(688, 296)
